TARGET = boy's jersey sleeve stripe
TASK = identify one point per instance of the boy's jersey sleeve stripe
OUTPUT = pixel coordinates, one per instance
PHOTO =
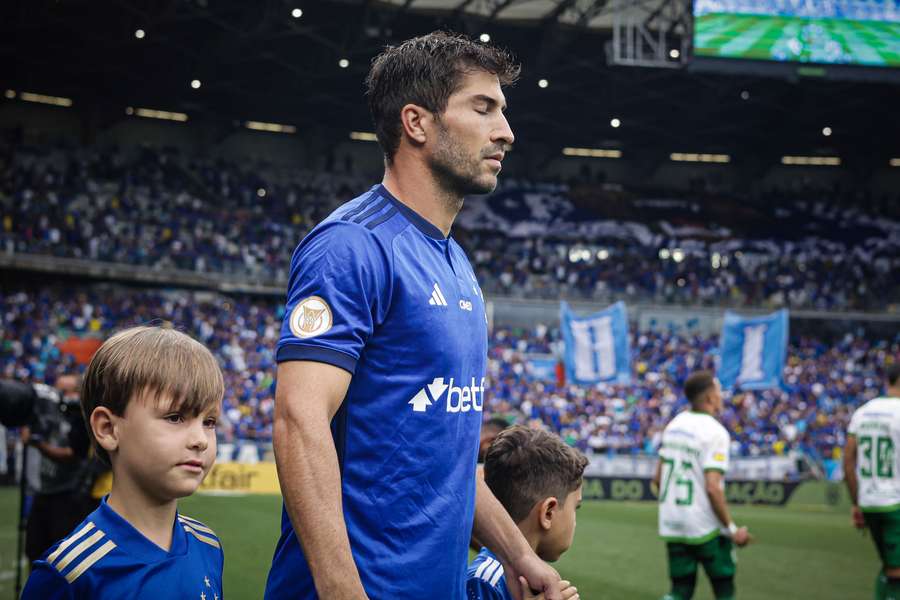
(201, 537)
(78, 550)
(480, 570)
(497, 575)
(72, 539)
(89, 560)
(196, 525)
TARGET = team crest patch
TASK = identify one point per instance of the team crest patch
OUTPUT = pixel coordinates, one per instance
(311, 317)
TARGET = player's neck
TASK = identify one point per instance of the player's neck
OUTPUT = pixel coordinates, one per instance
(152, 517)
(893, 392)
(412, 183)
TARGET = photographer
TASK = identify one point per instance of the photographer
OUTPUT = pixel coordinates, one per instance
(58, 446)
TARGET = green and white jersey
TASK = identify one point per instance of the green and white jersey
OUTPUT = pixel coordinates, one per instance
(692, 443)
(876, 425)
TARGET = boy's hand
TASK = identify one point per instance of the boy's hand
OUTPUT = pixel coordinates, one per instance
(569, 591)
(537, 574)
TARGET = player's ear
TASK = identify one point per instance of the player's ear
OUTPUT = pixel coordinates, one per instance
(548, 511)
(415, 121)
(103, 425)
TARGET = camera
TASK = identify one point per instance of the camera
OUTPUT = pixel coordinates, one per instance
(33, 405)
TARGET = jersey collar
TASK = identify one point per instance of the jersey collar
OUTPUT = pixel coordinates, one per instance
(133, 542)
(412, 216)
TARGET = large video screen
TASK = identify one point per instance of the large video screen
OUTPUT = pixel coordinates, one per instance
(833, 32)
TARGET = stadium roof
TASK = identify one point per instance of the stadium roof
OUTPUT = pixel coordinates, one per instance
(255, 61)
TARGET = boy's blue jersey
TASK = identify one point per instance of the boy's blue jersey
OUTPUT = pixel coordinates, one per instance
(106, 557)
(377, 290)
(485, 579)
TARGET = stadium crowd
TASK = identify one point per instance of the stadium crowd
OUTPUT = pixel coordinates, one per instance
(157, 209)
(824, 382)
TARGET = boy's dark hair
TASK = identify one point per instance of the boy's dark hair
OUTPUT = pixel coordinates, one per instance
(697, 385)
(892, 373)
(524, 466)
(154, 361)
(425, 71)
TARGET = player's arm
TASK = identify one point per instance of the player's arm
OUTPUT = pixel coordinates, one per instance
(307, 396)
(657, 474)
(852, 481)
(715, 491)
(496, 530)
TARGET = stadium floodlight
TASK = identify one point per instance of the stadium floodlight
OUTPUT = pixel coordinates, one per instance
(261, 192)
(678, 255)
(270, 127)
(698, 157)
(196, 83)
(152, 113)
(894, 162)
(44, 99)
(826, 131)
(10, 94)
(297, 13)
(816, 161)
(674, 53)
(615, 122)
(602, 254)
(543, 83)
(363, 136)
(485, 37)
(139, 34)
(745, 95)
(343, 63)
(664, 253)
(592, 152)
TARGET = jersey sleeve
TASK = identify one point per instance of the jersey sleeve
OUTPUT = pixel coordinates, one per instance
(46, 583)
(479, 589)
(715, 457)
(853, 428)
(338, 292)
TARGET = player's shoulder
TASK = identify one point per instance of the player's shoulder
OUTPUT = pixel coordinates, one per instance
(484, 578)
(370, 216)
(84, 551)
(200, 532)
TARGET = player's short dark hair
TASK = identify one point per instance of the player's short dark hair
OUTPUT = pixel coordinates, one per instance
(524, 466)
(697, 384)
(892, 373)
(425, 71)
(163, 363)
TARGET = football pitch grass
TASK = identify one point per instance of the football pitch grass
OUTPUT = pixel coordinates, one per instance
(804, 551)
(759, 37)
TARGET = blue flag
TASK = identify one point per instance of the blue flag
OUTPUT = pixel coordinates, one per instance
(753, 350)
(597, 346)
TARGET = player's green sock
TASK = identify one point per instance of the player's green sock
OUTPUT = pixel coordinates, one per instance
(880, 586)
(892, 589)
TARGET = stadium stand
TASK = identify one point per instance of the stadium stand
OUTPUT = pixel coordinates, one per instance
(825, 381)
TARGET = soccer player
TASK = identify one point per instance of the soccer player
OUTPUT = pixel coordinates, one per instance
(537, 478)
(382, 356)
(693, 515)
(870, 471)
(151, 397)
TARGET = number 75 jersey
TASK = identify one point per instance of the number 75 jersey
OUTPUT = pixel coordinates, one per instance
(876, 426)
(692, 443)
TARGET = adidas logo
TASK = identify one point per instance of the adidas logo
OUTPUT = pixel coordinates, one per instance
(459, 398)
(437, 297)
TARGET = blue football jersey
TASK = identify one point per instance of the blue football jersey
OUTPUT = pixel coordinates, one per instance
(377, 290)
(106, 557)
(485, 579)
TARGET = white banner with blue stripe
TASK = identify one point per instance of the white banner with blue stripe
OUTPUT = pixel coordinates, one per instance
(597, 348)
(753, 350)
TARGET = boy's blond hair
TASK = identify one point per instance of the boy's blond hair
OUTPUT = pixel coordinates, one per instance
(154, 361)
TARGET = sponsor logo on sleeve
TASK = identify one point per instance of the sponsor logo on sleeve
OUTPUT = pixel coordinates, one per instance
(311, 317)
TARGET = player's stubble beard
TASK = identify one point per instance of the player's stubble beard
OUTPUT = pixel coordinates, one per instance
(457, 173)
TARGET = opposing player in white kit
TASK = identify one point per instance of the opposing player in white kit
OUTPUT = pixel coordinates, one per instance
(871, 473)
(693, 513)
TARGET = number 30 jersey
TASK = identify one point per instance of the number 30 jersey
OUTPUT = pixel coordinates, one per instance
(692, 443)
(876, 426)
